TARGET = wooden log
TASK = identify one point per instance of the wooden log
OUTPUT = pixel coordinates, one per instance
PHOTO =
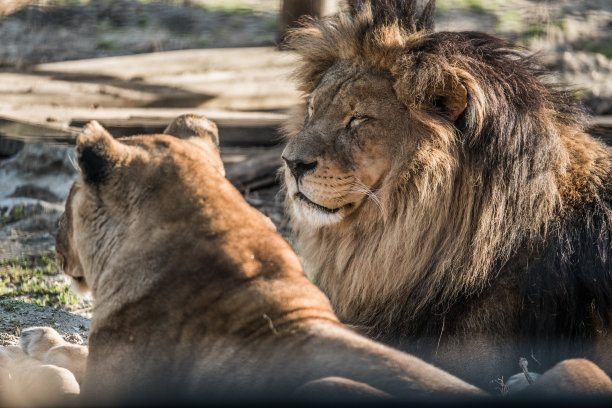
(245, 131)
(293, 10)
(232, 131)
(34, 132)
(257, 172)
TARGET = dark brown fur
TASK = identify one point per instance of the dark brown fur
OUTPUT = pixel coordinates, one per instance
(511, 206)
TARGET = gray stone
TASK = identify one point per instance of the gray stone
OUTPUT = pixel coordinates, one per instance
(39, 171)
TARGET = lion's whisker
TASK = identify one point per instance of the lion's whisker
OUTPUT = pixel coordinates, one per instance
(362, 188)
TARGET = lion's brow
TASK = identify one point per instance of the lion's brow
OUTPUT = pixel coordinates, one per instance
(338, 87)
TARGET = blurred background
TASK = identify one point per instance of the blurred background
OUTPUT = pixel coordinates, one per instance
(134, 65)
(576, 36)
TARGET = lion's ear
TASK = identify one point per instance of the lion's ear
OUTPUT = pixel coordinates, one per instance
(97, 152)
(188, 126)
(451, 98)
(201, 132)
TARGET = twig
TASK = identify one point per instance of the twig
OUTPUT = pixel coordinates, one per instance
(535, 359)
(523, 363)
(503, 388)
(440, 337)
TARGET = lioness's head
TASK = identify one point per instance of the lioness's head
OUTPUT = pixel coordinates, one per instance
(130, 191)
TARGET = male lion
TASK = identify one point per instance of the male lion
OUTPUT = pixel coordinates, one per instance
(445, 198)
(195, 294)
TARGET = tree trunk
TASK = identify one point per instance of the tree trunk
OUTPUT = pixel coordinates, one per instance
(293, 10)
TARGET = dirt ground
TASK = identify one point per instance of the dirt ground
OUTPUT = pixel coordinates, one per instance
(18, 315)
(119, 59)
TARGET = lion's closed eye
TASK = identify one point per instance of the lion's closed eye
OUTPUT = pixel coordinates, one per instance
(355, 121)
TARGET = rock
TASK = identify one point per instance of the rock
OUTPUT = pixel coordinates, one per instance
(9, 147)
(591, 75)
(39, 171)
(29, 190)
(603, 62)
(15, 209)
(27, 226)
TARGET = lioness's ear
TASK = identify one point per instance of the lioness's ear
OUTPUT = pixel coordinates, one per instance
(97, 152)
(200, 131)
(451, 98)
(188, 126)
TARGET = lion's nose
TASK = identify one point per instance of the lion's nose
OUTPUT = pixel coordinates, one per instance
(298, 168)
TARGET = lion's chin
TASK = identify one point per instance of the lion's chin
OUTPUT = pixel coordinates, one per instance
(313, 215)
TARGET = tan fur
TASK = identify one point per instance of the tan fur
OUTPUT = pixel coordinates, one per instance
(417, 224)
(46, 345)
(195, 292)
(572, 377)
(26, 381)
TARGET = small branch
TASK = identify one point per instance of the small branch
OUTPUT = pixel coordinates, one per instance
(440, 337)
(523, 363)
(535, 359)
(503, 388)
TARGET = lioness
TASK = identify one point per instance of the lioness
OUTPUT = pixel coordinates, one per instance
(196, 295)
(445, 197)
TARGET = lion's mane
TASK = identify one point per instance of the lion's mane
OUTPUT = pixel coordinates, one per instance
(509, 205)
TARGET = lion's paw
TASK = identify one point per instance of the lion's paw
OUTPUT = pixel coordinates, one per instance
(576, 376)
(48, 346)
(26, 381)
(37, 341)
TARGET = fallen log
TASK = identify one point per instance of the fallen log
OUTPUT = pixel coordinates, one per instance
(35, 132)
(233, 131)
(257, 172)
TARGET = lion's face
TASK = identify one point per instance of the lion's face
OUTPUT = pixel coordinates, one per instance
(354, 124)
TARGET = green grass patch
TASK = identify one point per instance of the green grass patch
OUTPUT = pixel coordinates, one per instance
(64, 3)
(11, 215)
(535, 30)
(9, 305)
(474, 6)
(271, 24)
(228, 6)
(604, 48)
(109, 45)
(509, 21)
(35, 279)
(143, 21)
(541, 29)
